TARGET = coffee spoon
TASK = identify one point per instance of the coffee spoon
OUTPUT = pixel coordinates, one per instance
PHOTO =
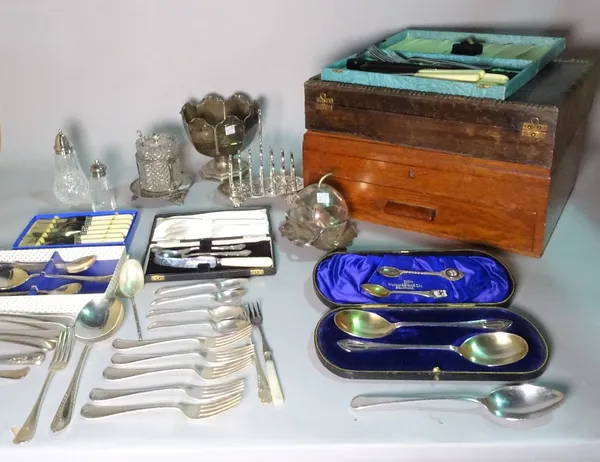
(71, 267)
(512, 402)
(226, 296)
(17, 277)
(365, 324)
(490, 349)
(217, 313)
(66, 289)
(451, 274)
(379, 291)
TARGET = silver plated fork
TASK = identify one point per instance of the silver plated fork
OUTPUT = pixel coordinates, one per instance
(62, 354)
(221, 341)
(256, 318)
(204, 372)
(208, 392)
(210, 357)
(191, 410)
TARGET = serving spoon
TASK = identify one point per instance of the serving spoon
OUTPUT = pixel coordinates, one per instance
(366, 324)
(98, 320)
(18, 276)
(511, 402)
(490, 349)
(71, 267)
(131, 283)
(379, 291)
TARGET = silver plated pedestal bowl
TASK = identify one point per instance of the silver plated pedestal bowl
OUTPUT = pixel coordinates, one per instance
(220, 128)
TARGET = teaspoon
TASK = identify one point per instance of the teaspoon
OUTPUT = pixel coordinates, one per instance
(489, 349)
(451, 274)
(379, 291)
(512, 402)
(17, 277)
(226, 296)
(365, 324)
(131, 283)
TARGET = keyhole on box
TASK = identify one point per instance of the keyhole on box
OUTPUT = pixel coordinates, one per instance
(411, 174)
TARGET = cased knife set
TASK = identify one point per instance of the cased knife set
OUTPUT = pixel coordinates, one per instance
(478, 170)
(208, 245)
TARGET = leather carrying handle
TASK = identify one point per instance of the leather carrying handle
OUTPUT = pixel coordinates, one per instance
(416, 212)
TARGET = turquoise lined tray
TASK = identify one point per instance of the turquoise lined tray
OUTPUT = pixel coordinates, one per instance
(525, 54)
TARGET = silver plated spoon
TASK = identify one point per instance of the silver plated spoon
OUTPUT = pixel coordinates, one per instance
(491, 349)
(17, 277)
(512, 402)
(366, 324)
(451, 274)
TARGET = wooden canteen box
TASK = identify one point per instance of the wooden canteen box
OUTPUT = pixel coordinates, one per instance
(483, 171)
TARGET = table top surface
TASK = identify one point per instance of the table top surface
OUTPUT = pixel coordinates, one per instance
(560, 291)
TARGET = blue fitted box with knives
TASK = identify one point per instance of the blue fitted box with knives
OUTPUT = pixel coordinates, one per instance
(233, 243)
(454, 63)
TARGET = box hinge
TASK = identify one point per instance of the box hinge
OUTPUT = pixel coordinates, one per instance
(534, 129)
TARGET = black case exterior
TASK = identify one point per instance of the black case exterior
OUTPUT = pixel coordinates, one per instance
(223, 273)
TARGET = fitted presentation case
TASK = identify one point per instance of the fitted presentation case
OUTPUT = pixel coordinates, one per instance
(477, 170)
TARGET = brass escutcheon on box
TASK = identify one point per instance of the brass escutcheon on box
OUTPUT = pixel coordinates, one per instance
(534, 129)
(324, 103)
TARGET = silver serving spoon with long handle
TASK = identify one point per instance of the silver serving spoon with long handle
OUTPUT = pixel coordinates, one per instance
(204, 287)
(98, 320)
(131, 283)
(366, 324)
(490, 349)
(512, 402)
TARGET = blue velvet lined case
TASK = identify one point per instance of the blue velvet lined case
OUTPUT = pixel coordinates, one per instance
(484, 292)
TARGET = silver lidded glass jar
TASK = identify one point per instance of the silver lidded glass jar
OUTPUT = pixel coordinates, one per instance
(158, 162)
(71, 185)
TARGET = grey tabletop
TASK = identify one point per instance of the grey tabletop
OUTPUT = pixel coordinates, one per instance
(560, 291)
